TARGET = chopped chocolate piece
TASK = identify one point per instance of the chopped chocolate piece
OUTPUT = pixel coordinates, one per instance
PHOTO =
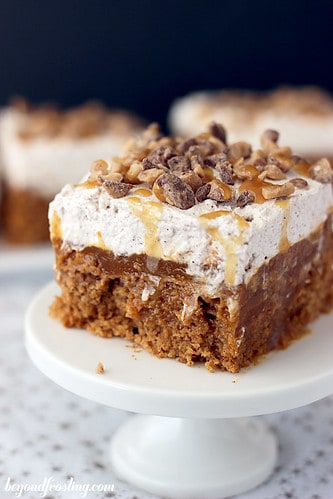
(176, 191)
(218, 131)
(322, 171)
(202, 192)
(179, 164)
(245, 198)
(117, 189)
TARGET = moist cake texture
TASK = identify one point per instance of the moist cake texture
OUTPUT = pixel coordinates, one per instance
(196, 249)
(43, 148)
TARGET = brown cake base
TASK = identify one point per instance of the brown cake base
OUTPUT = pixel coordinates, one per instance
(115, 296)
(24, 216)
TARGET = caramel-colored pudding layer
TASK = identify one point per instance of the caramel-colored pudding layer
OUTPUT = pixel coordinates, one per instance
(155, 304)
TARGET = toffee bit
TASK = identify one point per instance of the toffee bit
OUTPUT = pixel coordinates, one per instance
(216, 193)
(196, 159)
(179, 164)
(246, 197)
(216, 159)
(218, 131)
(100, 369)
(191, 178)
(147, 164)
(175, 191)
(225, 171)
(116, 189)
(202, 193)
(184, 146)
(322, 171)
(300, 183)
(161, 155)
(239, 150)
(271, 135)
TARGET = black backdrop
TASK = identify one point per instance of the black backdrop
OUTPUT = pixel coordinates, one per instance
(142, 54)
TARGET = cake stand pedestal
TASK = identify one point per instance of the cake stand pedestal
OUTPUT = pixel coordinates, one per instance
(192, 447)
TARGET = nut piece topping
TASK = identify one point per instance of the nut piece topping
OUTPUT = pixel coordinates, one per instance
(183, 172)
(278, 191)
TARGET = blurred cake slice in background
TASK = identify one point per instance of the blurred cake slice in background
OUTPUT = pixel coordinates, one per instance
(303, 116)
(42, 148)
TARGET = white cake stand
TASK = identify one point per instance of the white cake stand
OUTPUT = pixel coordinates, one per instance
(188, 448)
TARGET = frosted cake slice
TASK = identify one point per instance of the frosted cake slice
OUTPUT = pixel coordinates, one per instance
(196, 249)
(43, 148)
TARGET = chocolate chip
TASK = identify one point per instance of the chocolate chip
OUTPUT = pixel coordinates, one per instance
(218, 131)
(202, 192)
(245, 198)
(116, 189)
(176, 191)
(179, 164)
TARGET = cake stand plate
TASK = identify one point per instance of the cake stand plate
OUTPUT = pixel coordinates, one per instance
(183, 443)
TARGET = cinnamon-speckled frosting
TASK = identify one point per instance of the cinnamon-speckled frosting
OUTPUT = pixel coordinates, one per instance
(220, 209)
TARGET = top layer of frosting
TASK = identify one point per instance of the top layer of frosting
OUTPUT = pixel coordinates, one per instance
(303, 116)
(236, 218)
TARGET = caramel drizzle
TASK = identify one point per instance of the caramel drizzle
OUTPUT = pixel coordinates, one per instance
(230, 244)
(55, 226)
(284, 243)
(149, 213)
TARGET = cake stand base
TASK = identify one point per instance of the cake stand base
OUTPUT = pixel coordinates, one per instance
(193, 458)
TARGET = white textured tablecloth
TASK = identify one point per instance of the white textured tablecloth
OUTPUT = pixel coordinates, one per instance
(47, 433)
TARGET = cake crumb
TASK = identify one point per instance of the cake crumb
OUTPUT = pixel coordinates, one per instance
(100, 369)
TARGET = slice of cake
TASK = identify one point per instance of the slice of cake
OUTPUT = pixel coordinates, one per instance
(303, 116)
(196, 249)
(44, 148)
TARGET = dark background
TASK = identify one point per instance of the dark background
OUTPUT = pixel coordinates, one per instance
(142, 54)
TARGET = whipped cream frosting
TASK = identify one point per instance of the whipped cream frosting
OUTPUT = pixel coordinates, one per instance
(219, 245)
(46, 164)
(303, 117)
